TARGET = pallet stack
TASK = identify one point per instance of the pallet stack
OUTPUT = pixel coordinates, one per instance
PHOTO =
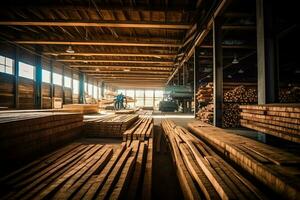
(81, 108)
(109, 126)
(281, 120)
(275, 168)
(202, 172)
(85, 171)
(26, 135)
(141, 130)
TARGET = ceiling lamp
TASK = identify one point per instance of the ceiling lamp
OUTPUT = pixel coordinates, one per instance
(229, 76)
(235, 60)
(70, 50)
(126, 70)
(241, 71)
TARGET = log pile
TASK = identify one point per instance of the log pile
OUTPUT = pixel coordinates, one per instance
(289, 95)
(276, 168)
(280, 120)
(142, 129)
(29, 134)
(232, 98)
(85, 171)
(81, 108)
(202, 172)
(109, 125)
(205, 93)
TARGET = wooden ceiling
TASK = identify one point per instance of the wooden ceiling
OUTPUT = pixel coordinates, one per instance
(118, 41)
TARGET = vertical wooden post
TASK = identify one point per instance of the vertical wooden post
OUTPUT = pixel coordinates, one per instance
(72, 86)
(38, 77)
(196, 78)
(81, 87)
(16, 77)
(217, 72)
(51, 83)
(267, 77)
(63, 85)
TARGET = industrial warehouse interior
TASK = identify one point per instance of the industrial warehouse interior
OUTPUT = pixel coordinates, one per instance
(149, 99)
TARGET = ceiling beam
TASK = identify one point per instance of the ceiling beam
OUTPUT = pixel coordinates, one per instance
(101, 43)
(169, 63)
(111, 54)
(103, 23)
(124, 72)
(230, 46)
(123, 66)
(239, 27)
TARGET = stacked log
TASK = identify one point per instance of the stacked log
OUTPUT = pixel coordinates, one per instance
(85, 171)
(202, 172)
(275, 168)
(206, 114)
(280, 120)
(109, 125)
(24, 136)
(289, 95)
(205, 93)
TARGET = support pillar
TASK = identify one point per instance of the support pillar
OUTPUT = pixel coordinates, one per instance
(196, 78)
(38, 77)
(217, 72)
(81, 87)
(51, 83)
(267, 66)
(16, 77)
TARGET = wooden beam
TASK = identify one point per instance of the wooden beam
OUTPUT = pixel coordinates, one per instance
(230, 46)
(128, 78)
(111, 54)
(98, 23)
(90, 72)
(239, 27)
(123, 66)
(101, 43)
(117, 61)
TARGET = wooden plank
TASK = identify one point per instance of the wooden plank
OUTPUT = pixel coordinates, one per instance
(147, 182)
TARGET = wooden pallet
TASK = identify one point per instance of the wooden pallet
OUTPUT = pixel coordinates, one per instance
(200, 167)
(275, 168)
(84, 171)
(109, 125)
(280, 120)
(27, 135)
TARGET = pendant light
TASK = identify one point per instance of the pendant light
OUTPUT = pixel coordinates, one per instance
(70, 50)
(235, 60)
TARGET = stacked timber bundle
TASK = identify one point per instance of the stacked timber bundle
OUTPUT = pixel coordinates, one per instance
(85, 171)
(206, 113)
(205, 93)
(142, 129)
(81, 108)
(109, 125)
(277, 169)
(202, 172)
(126, 111)
(280, 120)
(289, 95)
(29, 134)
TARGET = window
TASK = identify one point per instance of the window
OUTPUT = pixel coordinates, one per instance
(57, 79)
(139, 93)
(149, 97)
(46, 76)
(90, 89)
(159, 93)
(130, 93)
(75, 86)
(6, 65)
(119, 91)
(85, 87)
(67, 82)
(158, 97)
(26, 71)
(95, 94)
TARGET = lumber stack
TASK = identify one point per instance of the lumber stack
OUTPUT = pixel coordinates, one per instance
(85, 171)
(125, 111)
(273, 167)
(205, 93)
(142, 129)
(280, 120)
(26, 135)
(81, 108)
(206, 114)
(202, 172)
(109, 125)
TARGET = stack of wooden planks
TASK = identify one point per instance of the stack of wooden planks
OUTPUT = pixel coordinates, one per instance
(85, 171)
(280, 120)
(142, 129)
(26, 135)
(127, 111)
(81, 108)
(277, 169)
(109, 125)
(205, 93)
(202, 172)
